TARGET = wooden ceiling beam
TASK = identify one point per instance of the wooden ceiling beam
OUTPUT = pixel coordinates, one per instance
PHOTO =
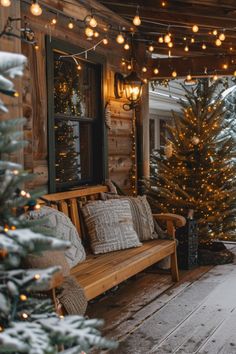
(197, 66)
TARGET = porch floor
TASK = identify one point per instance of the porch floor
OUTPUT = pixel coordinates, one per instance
(150, 314)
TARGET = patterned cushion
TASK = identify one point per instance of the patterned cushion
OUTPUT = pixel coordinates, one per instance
(110, 226)
(63, 229)
(141, 213)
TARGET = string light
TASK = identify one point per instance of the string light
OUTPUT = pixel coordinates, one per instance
(144, 69)
(156, 71)
(151, 48)
(89, 32)
(37, 206)
(37, 276)
(203, 46)
(36, 9)
(167, 38)
(186, 48)
(93, 23)
(174, 74)
(215, 32)
(235, 73)
(70, 24)
(222, 37)
(5, 3)
(126, 46)
(54, 21)
(189, 77)
(23, 297)
(215, 77)
(136, 19)
(195, 28)
(24, 315)
(79, 67)
(161, 39)
(163, 3)
(170, 44)
(192, 40)
(218, 42)
(96, 34)
(129, 67)
(120, 38)
(225, 66)
(105, 41)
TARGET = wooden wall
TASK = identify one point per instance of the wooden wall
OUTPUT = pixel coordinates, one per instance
(34, 95)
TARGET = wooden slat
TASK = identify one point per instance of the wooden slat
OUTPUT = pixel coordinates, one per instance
(76, 193)
(121, 268)
(63, 207)
(74, 214)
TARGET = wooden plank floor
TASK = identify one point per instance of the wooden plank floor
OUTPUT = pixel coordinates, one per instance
(149, 314)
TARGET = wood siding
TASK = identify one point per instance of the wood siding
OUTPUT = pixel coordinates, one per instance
(34, 97)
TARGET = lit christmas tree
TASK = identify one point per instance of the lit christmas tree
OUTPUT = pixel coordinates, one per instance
(28, 322)
(196, 169)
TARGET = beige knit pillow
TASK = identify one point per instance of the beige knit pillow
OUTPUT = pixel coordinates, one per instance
(110, 226)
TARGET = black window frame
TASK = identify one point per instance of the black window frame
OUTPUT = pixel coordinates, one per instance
(99, 136)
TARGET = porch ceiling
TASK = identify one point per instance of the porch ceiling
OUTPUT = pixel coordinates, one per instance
(178, 17)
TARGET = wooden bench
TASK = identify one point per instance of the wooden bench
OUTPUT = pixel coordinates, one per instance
(99, 273)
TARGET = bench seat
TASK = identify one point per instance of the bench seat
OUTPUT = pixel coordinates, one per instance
(99, 273)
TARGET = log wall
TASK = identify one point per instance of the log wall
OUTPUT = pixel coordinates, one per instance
(34, 95)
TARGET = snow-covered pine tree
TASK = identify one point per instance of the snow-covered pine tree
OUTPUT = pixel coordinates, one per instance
(29, 324)
(196, 169)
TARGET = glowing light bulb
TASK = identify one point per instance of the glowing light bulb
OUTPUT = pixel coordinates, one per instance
(204, 46)
(126, 46)
(89, 32)
(105, 41)
(37, 276)
(174, 74)
(36, 9)
(225, 66)
(145, 81)
(96, 34)
(137, 20)
(215, 32)
(163, 3)
(192, 40)
(70, 25)
(79, 67)
(151, 48)
(167, 38)
(195, 28)
(186, 48)
(170, 44)
(161, 40)
(54, 21)
(144, 69)
(218, 42)
(93, 23)
(24, 315)
(231, 48)
(189, 77)
(222, 37)
(120, 38)
(156, 71)
(129, 67)
(5, 3)
(235, 73)
(23, 297)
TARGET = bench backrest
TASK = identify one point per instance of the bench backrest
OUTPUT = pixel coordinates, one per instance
(69, 202)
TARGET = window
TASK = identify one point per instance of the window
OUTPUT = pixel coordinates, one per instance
(75, 120)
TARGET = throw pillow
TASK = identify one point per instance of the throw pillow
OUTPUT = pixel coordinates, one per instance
(62, 228)
(142, 216)
(110, 226)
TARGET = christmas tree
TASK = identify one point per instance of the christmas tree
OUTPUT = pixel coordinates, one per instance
(196, 168)
(28, 322)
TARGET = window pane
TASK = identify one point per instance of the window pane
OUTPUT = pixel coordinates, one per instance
(72, 153)
(75, 91)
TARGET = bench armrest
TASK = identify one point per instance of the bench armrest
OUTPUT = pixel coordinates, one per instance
(172, 220)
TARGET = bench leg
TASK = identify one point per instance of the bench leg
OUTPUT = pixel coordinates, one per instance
(174, 267)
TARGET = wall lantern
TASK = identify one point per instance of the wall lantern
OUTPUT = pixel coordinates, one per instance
(129, 87)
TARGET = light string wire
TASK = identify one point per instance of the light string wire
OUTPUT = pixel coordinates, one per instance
(76, 55)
